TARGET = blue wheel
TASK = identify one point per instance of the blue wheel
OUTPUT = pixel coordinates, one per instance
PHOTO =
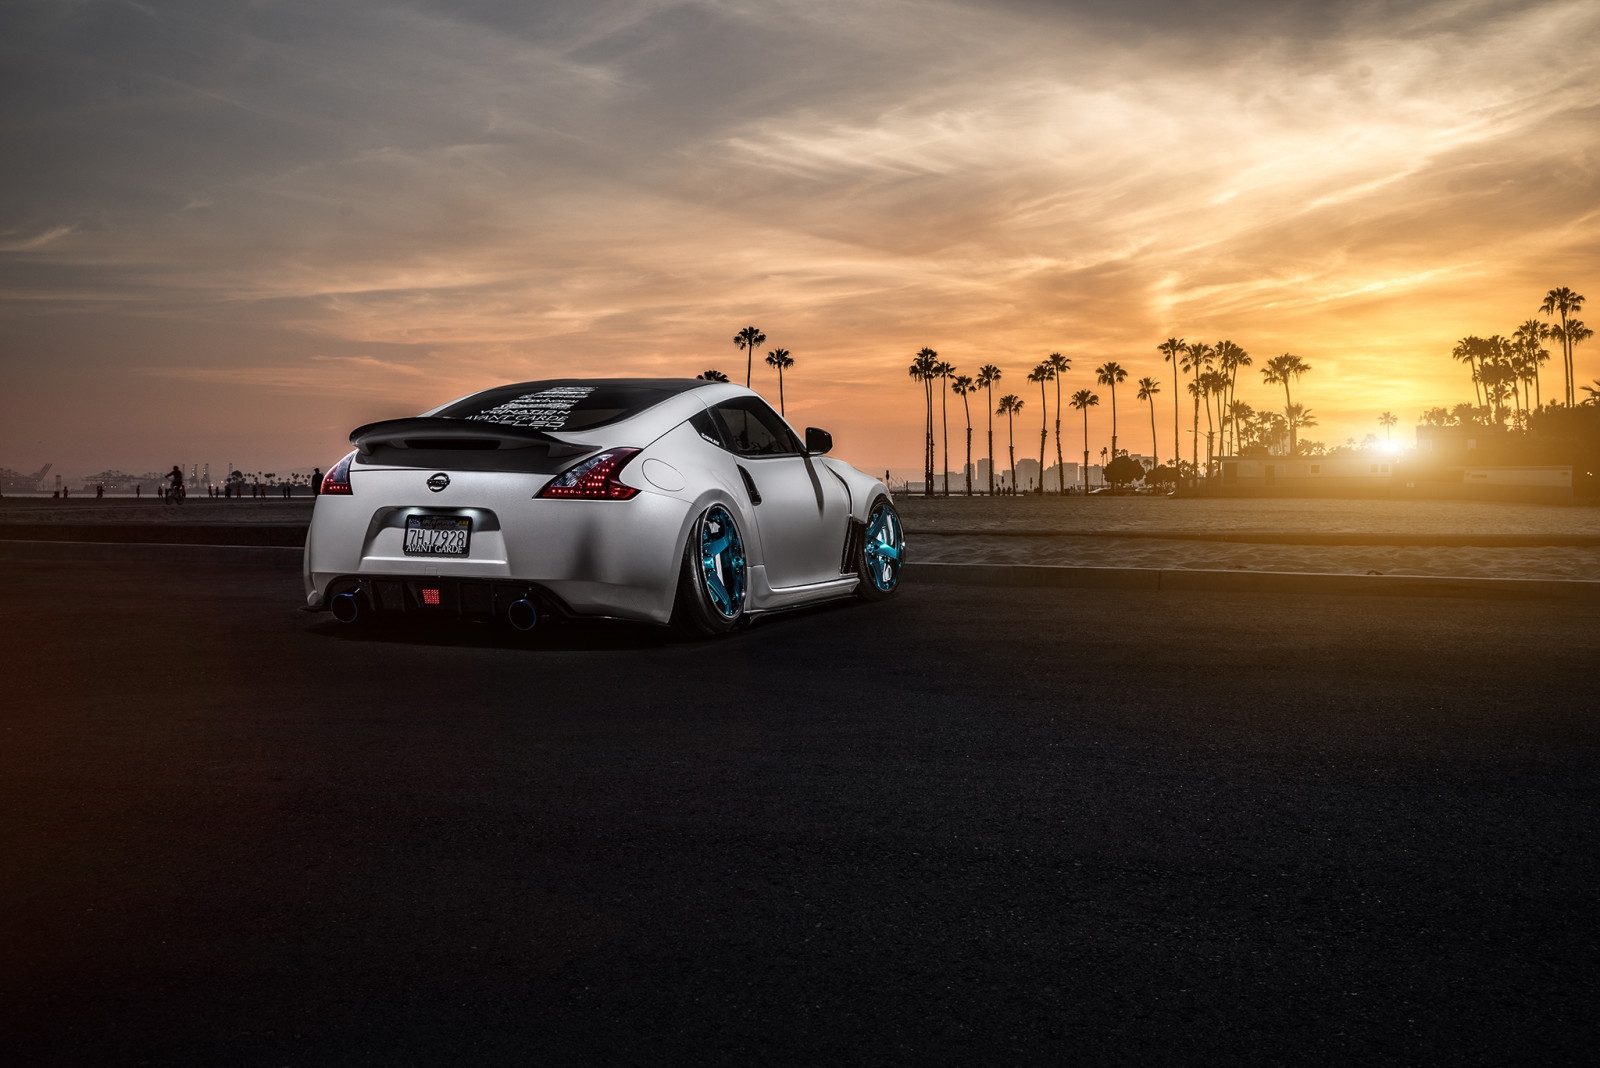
(883, 551)
(711, 590)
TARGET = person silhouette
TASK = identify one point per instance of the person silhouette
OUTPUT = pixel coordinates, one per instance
(175, 476)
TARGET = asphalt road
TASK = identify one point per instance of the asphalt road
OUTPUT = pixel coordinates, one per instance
(968, 826)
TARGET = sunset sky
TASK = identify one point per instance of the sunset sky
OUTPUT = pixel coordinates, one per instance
(231, 232)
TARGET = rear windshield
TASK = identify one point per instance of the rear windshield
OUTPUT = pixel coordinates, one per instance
(566, 405)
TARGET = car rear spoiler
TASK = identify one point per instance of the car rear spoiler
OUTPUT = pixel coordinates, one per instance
(431, 433)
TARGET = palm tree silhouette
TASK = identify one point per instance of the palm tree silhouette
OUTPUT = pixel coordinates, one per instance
(1564, 302)
(747, 339)
(988, 375)
(1148, 388)
(1083, 400)
(1059, 366)
(1298, 416)
(1573, 335)
(712, 375)
(922, 369)
(1281, 370)
(1230, 358)
(1213, 386)
(1196, 358)
(1526, 338)
(1468, 350)
(945, 371)
(962, 385)
(1109, 374)
(1042, 373)
(1011, 405)
(780, 359)
(1241, 415)
(1387, 420)
(1172, 351)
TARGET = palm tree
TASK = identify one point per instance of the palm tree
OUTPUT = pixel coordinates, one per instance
(1230, 358)
(747, 339)
(1109, 374)
(1298, 416)
(1171, 351)
(1466, 351)
(1213, 384)
(1060, 365)
(1148, 388)
(1196, 358)
(1528, 336)
(988, 375)
(1572, 335)
(922, 366)
(1387, 420)
(712, 375)
(1042, 373)
(1083, 400)
(1593, 391)
(1281, 370)
(1563, 302)
(945, 371)
(1241, 415)
(780, 359)
(1011, 405)
(961, 386)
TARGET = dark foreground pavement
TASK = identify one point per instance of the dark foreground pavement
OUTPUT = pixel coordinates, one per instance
(972, 825)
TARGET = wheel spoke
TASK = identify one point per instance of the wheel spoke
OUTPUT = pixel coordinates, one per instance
(883, 549)
(722, 562)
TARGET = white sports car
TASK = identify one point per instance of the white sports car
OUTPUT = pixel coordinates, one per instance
(671, 501)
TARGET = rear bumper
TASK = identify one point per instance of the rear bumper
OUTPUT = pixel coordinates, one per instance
(395, 596)
(617, 559)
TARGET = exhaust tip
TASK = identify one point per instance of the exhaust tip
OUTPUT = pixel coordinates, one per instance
(522, 614)
(346, 607)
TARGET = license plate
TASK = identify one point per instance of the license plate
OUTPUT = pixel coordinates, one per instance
(437, 535)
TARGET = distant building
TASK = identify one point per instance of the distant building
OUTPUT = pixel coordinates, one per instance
(1027, 474)
(1302, 476)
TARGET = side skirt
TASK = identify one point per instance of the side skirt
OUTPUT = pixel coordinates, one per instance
(763, 598)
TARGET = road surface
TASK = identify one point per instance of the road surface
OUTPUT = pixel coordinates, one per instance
(967, 826)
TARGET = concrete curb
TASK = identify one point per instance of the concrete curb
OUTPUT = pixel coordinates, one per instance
(38, 552)
(1178, 579)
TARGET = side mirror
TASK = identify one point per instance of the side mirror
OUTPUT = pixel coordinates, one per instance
(818, 441)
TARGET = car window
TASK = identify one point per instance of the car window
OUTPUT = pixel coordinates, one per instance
(563, 404)
(753, 429)
(705, 425)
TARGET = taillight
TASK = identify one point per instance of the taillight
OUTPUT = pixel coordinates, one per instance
(337, 481)
(594, 479)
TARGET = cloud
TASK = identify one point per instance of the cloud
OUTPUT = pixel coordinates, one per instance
(502, 191)
(38, 241)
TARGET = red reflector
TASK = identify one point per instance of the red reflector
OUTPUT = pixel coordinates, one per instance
(430, 596)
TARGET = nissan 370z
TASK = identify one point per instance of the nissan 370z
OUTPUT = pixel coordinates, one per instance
(669, 501)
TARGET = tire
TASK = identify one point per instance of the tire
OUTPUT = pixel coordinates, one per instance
(881, 554)
(713, 581)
